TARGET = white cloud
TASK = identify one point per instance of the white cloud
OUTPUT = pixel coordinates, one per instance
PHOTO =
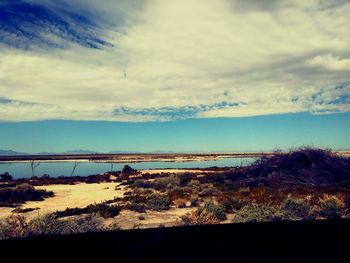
(179, 53)
(330, 62)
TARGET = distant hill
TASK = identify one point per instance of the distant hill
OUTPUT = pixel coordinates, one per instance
(11, 153)
(80, 152)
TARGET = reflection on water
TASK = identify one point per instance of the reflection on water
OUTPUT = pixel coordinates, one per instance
(55, 169)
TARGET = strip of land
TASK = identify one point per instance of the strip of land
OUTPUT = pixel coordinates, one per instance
(137, 158)
(131, 158)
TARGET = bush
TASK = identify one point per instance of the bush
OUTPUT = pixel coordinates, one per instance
(22, 193)
(6, 177)
(128, 170)
(198, 218)
(104, 210)
(304, 167)
(164, 183)
(13, 226)
(218, 211)
(23, 210)
(50, 225)
(158, 202)
(331, 207)
(295, 209)
(136, 207)
(231, 204)
(255, 213)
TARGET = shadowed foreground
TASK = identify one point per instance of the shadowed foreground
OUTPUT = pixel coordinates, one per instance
(325, 241)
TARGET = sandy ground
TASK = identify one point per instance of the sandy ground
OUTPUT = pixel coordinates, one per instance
(152, 219)
(69, 196)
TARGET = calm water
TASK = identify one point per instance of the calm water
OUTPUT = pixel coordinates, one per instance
(55, 169)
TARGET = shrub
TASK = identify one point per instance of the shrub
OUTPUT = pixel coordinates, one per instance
(198, 218)
(23, 210)
(141, 183)
(185, 178)
(13, 226)
(128, 170)
(331, 207)
(255, 213)
(176, 193)
(22, 193)
(50, 225)
(158, 202)
(305, 167)
(231, 204)
(6, 177)
(209, 191)
(165, 183)
(102, 209)
(217, 211)
(295, 209)
(136, 207)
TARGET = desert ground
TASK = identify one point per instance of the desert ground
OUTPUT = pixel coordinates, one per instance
(305, 184)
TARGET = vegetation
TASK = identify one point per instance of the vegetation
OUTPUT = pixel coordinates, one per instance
(16, 226)
(156, 202)
(331, 207)
(6, 177)
(13, 196)
(305, 184)
(103, 210)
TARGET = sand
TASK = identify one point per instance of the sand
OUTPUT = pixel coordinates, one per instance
(152, 219)
(69, 196)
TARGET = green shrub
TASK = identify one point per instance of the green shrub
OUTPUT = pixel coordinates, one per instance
(217, 211)
(255, 213)
(165, 183)
(331, 207)
(158, 202)
(295, 209)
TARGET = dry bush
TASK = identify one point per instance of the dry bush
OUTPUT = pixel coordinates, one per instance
(195, 218)
(13, 226)
(331, 207)
(180, 203)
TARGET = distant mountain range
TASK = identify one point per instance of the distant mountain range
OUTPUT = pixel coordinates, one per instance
(14, 153)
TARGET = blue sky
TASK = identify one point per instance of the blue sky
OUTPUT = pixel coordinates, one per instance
(155, 64)
(223, 134)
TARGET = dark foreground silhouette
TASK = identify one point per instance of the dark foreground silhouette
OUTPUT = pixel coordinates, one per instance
(308, 241)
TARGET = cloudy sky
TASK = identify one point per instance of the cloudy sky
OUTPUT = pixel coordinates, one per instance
(160, 60)
(156, 60)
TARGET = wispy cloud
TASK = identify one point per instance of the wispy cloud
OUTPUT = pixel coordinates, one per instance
(165, 60)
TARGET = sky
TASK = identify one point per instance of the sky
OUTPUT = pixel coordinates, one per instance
(241, 70)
